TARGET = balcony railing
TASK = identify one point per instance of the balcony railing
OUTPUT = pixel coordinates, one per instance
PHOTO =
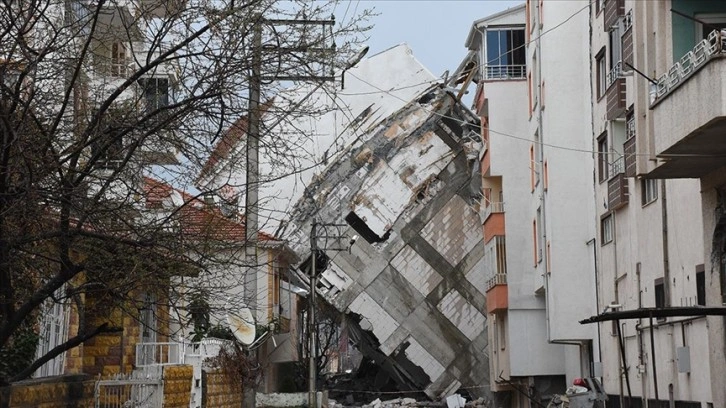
(617, 167)
(495, 258)
(494, 207)
(156, 354)
(704, 51)
(615, 73)
(498, 279)
(505, 71)
(628, 20)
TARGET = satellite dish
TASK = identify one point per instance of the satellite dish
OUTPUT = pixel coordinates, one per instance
(242, 326)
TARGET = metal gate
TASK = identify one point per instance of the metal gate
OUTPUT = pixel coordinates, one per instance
(129, 393)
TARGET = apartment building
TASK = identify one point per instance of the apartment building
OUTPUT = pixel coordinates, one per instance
(657, 114)
(537, 198)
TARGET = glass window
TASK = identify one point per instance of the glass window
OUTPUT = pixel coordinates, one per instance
(505, 54)
(602, 157)
(648, 191)
(606, 229)
(156, 93)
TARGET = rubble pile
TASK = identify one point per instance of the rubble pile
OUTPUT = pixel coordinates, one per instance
(410, 402)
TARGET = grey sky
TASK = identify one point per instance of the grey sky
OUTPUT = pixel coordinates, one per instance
(435, 30)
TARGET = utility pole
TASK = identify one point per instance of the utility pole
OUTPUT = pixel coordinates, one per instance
(312, 351)
(253, 171)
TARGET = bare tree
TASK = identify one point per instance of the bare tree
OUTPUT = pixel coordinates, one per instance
(97, 97)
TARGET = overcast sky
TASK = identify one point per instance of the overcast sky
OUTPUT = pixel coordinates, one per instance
(435, 29)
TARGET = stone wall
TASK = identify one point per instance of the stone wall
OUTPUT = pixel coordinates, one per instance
(218, 392)
(52, 392)
(177, 386)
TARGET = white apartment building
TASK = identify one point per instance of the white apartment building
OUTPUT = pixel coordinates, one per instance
(537, 203)
(657, 117)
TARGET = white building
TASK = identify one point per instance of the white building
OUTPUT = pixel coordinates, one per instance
(537, 201)
(660, 244)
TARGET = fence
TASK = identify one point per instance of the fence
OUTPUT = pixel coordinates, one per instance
(126, 392)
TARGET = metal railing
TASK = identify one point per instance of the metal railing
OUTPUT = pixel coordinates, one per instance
(704, 51)
(495, 258)
(498, 279)
(617, 166)
(155, 354)
(127, 392)
(494, 207)
(630, 127)
(615, 73)
(505, 71)
(628, 20)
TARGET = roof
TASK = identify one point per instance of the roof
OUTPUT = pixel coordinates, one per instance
(497, 18)
(196, 218)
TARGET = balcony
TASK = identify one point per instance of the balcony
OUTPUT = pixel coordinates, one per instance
(495, 269)
(504, 72)
(689, 112)
(615, 94)
(618, 195)
(498, 294)
(493, 219)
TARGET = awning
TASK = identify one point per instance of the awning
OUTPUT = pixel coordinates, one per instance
(657, 312)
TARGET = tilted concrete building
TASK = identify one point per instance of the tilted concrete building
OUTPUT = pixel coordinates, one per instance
(413, 281)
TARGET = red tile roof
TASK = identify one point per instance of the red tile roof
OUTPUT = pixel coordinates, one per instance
(196, 218)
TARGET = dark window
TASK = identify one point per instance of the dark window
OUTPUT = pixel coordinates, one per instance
(700, 285)
(601, 72)
(156, 93)
(107, 145)
(660, 298)
(602, 157)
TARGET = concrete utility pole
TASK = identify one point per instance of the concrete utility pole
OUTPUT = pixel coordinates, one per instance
(253, 172)
(312, 351)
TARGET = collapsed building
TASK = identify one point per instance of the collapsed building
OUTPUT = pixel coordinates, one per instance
(394, 161)
(413, 281)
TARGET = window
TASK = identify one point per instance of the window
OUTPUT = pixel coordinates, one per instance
(502, 334)
(659, 293)
(545, 176)
(535, 81)
(531, 93)
(505, 54)
(542, 95)
(602, 157)
(648, 191)
(107, 145)
(615, 46)
(53, 332)
(156, 93)
(537, 158)
(532, 165)
(601, 72)
(532, 14)
(700, 285)
(119, 60)
(540, 235)
(534, 241)
(606, 229)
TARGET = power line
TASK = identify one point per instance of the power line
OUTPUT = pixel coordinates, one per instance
(527, 139)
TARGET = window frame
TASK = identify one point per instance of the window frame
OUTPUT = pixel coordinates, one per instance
(601, 73)
(607, 229)
(603, 153)
(648, 191)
